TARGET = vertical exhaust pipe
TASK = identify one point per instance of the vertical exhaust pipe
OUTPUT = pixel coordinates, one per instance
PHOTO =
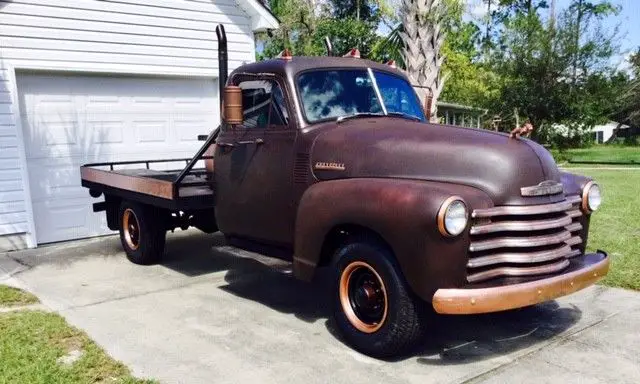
(222, 61)
(328, 45)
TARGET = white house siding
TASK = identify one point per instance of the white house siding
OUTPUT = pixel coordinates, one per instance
(173, 38)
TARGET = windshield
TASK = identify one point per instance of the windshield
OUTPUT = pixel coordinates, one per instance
(331, 94)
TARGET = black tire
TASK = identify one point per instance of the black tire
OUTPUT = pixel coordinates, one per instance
(144, 245)
(400, 326)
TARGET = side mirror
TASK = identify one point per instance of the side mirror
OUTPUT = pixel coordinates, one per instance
(232, 105)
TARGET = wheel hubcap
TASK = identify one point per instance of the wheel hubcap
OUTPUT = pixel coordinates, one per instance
(131, 229)
(363, 297)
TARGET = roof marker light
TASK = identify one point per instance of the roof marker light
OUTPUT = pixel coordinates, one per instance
(285, 55)
(353, 52)
(392, 64)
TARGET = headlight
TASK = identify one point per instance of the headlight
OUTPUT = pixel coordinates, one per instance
(452, 216)
(591, 197)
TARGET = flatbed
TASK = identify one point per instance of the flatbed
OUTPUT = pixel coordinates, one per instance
(167, 189)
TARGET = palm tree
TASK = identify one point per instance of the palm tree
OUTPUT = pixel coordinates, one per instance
(422, 36)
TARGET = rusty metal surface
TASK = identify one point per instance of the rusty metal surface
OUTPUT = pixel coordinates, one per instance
(402, 212)
(403, 149)
(563, 251)
(531, 241)
(508, 242)
(547, 187)
(499, 298)
(521, 225)
(522, 210)
(141, 181)
(146, 185)
(556, 266)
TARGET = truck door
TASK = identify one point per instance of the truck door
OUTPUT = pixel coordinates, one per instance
(254, 178)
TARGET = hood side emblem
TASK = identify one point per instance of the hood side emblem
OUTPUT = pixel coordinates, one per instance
(329, 166)
(547, 187)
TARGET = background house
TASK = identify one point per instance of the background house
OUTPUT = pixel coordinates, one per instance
(603, 132)
(461, 115)
(99, 80)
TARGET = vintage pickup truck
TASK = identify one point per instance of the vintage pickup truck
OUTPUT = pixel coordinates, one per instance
(329, 161)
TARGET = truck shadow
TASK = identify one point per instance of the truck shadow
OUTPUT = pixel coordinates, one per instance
(450, 340)
(465, 339)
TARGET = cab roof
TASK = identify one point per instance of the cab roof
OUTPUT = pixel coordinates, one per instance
(290, 67)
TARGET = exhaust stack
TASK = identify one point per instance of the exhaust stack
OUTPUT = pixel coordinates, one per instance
(328, 45)
(222, 61)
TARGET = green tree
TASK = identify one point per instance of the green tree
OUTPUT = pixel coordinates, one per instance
(469, 81)
(548, 78)
(303, 27)
(297, 24)
(630, 111)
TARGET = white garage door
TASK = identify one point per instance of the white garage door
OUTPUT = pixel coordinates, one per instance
(71, 120)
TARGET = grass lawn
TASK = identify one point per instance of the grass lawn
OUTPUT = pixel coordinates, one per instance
(10, 296)
(614, 153)
(32, 344)
(615, 227)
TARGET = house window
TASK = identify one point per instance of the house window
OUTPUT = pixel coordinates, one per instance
(599, 137)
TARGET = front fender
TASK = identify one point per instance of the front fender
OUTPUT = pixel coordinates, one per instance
(402, 212)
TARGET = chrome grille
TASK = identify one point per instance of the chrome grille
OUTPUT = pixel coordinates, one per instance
(524, 240)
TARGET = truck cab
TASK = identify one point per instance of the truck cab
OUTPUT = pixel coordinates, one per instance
(331, 162)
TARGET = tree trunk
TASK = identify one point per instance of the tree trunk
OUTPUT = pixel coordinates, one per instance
(423, 39)
(614, 135)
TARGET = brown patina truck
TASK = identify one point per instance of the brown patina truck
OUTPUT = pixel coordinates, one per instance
(329, 161)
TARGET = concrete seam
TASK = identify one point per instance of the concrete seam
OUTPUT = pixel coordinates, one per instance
(552, 342)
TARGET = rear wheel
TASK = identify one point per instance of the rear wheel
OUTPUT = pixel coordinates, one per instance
(142, 232)
(374, 308)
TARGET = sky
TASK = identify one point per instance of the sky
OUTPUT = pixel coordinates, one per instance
(628, 22)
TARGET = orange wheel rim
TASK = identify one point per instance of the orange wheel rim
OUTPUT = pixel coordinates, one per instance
(131, 229)
(363, 297)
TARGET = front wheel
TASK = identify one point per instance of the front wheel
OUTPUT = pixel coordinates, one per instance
(374, 308)
(142, 232)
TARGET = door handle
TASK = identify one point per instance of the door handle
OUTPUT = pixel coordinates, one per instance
(225, 145)
(246, 142)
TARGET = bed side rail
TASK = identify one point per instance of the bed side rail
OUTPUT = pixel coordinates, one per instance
(178, 182)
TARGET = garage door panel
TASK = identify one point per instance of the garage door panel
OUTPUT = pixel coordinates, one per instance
(106, 130)
(150, 131)
(71, 120)
(188, 129)
(59, 178)
(50, 135)
(67, 220)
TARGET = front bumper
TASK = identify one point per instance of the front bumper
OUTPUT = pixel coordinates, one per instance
(585, 271)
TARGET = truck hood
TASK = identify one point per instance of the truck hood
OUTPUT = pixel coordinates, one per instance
(399, 148)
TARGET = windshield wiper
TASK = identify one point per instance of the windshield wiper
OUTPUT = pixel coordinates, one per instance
(373, 114)
(358, 114)
(405, 115)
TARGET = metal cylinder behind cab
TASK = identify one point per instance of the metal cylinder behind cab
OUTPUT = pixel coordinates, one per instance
(233, 105)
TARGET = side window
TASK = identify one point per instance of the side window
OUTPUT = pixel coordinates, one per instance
(263, 104)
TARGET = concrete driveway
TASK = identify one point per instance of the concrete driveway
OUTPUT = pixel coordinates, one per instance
(214, 314)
